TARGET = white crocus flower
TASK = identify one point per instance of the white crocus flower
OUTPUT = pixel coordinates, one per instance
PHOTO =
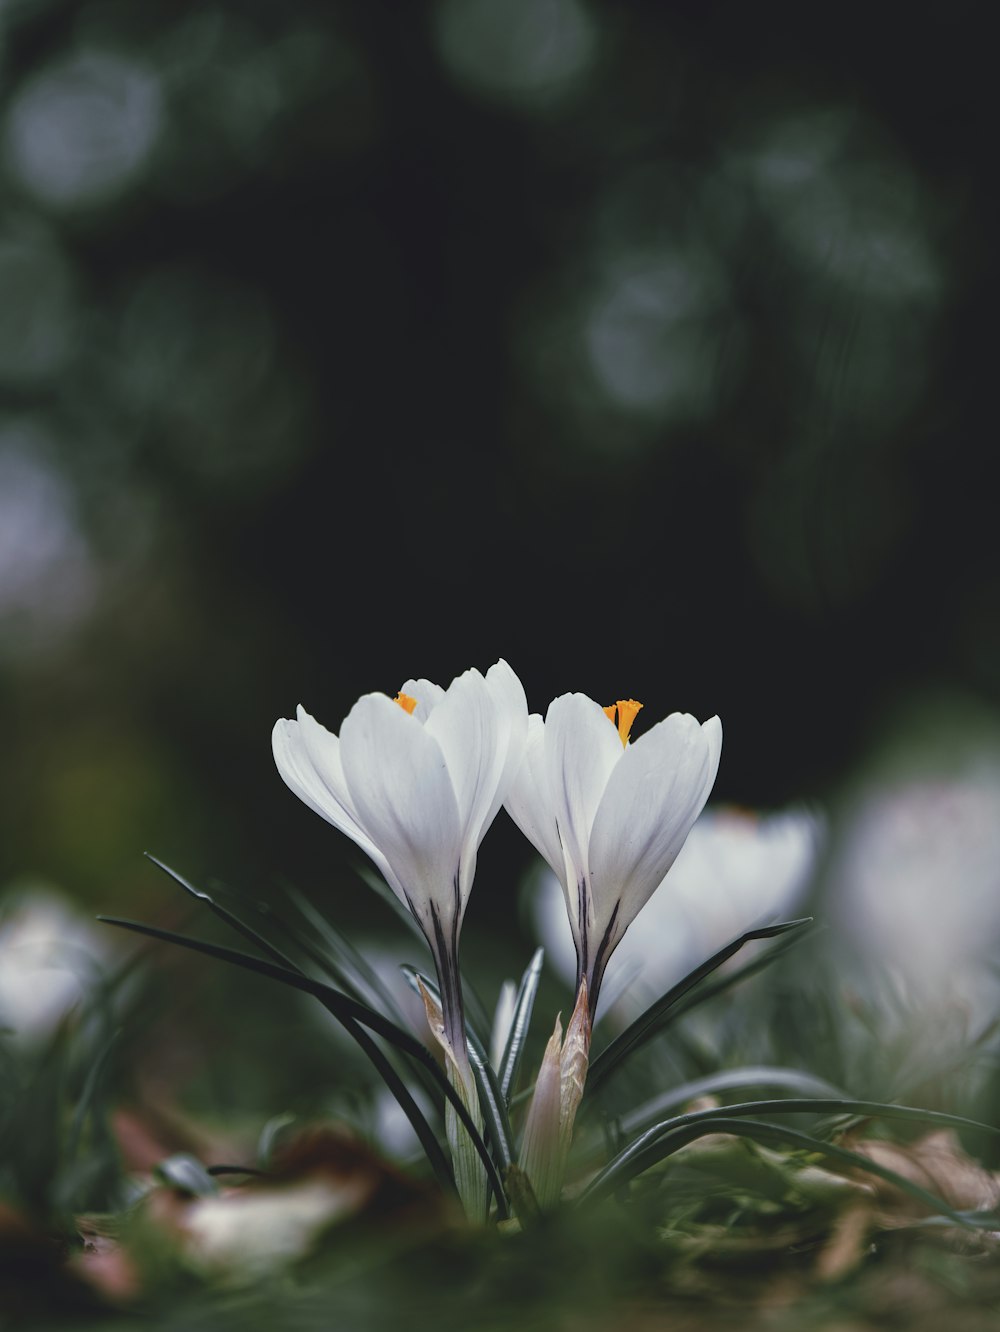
(415, 782)
(737, 870)
(610, 817)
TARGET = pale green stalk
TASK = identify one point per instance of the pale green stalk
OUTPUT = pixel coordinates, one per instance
(470, 1174)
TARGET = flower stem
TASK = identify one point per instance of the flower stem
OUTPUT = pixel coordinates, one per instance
(448, 1025)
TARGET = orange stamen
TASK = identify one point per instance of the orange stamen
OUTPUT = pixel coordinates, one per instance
(405, 702)
(628, 710)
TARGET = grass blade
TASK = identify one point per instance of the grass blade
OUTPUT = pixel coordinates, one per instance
(340, 1005)
(346, 952)
(394, 1083)
(771, 1135)
(728, 1080)
(733, 978)
(974, 1220)
(523, 1005)
(655, 1017)
(234, 922)
(645, 1147)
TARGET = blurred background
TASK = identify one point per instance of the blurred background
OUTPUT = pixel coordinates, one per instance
(649, 346)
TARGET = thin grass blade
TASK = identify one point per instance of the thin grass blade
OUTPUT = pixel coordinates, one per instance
(655, 1017)
(340, 1005)
(728, 1080)
(346, 951)
(771, 1135)
(337, 973)
(622, 1167)
(523, 1005)
(733, 978)
(432, 1148)
(975, 1220)
(233, 921)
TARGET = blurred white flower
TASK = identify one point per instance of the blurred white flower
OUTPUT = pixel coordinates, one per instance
(610, 817)
(737, 870)
(49, 959)
(244, 1236)
(915, 880)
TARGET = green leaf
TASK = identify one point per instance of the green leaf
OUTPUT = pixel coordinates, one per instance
(645, 1150)
(383, 1065)
(727, 1080)
(975, 1220)
(771, 1135)
(348, 957)
(347, 969)
(353, 974)
(523, 1005)
(736, 977)
(657, 1016)
(347, 1011)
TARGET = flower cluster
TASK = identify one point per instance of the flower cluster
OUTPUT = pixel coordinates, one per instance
(416, 781)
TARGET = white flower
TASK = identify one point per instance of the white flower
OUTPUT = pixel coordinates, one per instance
(914, 883)
(737, 870)
(50, 961)
(415, 782)
(610, 817)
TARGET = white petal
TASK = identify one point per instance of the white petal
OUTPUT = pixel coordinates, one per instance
(323, 749)
(528, 801)
(582, 749)
(509, 697)
(292, 756)
(398, 781)
(427, 694)
(712, 731)
(464, 724)
(652, 799)
(510, 705)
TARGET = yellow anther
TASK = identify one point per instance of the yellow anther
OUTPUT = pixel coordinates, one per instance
(628, 710)
(405, 702)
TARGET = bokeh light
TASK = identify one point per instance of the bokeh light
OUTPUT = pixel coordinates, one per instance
(37, 315)
(79, 132)
(524, 52)
(648, 335)
(48, 577)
